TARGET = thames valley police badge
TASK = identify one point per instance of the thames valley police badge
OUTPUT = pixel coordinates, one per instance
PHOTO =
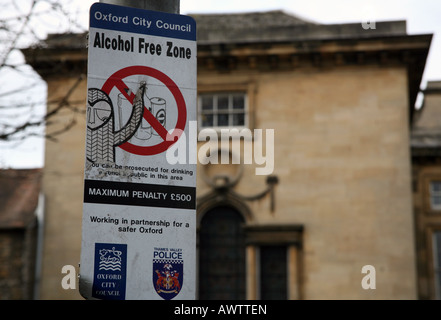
(168, 276)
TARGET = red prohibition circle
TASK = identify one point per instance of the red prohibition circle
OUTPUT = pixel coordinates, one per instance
(116, 81)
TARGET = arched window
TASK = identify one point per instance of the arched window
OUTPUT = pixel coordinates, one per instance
(222, 255)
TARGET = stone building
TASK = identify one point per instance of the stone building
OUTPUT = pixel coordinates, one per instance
(20, 233)
(426, 165)
(340, 99)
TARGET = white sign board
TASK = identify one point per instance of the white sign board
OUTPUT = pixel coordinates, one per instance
(139, 211)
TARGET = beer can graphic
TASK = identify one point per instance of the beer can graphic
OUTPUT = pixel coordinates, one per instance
(158, 110)
(145, 129)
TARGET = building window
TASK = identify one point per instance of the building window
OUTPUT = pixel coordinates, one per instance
(223, 110)
(436, 238)
(273, 272)
(274, 262)
(435, 195)
(222, 255)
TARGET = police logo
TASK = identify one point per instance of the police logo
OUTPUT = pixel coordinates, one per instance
(168, 268)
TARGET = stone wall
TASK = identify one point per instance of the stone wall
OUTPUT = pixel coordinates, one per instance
(342, 158)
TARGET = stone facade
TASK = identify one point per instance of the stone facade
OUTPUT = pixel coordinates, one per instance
(340, 194)
(20, 213)
(426, 166)
(343, 164)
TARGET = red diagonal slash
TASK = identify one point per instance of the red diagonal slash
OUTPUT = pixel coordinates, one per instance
(147, 115)
(116, 81)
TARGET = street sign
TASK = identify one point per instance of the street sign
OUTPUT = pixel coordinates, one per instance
(139, 210)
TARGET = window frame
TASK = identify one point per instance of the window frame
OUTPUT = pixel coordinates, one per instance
(434, 194)
(428, 222)
(427, 178)
(216, 212)
(289, 236)
(247, 86)
(230, 110)
(261, 270)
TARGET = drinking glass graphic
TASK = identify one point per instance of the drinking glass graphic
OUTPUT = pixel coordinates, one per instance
(144, 131)
(158, 110)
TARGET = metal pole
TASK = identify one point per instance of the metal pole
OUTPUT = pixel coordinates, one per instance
(170, 6)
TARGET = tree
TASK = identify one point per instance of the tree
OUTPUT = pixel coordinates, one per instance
(22, 92)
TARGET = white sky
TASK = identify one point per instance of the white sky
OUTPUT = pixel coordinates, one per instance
(422, 16)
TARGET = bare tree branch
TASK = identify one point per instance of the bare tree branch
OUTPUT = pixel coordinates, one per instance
(21, 23)
(13, 45)
(62, 104)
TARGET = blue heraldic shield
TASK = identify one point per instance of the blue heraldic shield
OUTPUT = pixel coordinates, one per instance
(168, 277)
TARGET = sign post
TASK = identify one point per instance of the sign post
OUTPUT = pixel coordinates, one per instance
(139, 210)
